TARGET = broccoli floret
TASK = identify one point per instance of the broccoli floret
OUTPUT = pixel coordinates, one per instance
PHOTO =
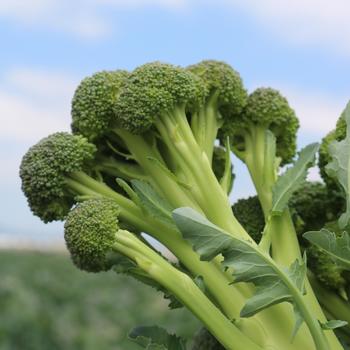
(154, 93)
(89, 233)
(93, 101)
(266, 110)
(225, 97)
(44, 169)
(249, 213)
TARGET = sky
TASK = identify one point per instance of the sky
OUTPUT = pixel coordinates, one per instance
(300, 47)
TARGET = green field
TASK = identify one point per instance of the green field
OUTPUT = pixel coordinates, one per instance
(46, 303)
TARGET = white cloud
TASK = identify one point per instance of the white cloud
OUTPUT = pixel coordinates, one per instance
(83, 19)
(321, 23)
(34, 103)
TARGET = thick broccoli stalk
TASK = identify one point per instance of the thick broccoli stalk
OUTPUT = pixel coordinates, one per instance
(95, 241)
(225, 97)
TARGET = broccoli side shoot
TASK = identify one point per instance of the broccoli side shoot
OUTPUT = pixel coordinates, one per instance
(90, 231)
(43, 173)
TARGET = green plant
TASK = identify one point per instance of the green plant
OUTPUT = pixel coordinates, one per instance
(144, 158)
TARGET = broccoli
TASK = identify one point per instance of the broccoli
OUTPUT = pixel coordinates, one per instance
(204, 340)
(148, 143)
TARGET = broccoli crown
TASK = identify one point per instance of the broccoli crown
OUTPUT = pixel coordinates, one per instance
(338, 134)
(43, 171)
(93, 101)
(90, 232)
(153, 90)
(266, 107)
(249, 213)
(221, 79)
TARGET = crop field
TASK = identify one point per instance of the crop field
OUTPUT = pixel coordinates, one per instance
(46, 303)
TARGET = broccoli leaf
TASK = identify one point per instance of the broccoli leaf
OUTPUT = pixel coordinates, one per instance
(152, 202)
(156, 338)
(248, 263)
(339, 166)
(338, 247)
(292, 179)
(333, 324)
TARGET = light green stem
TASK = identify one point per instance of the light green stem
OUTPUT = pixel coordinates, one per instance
(183, 287)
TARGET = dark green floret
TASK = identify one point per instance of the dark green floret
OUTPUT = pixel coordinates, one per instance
(90, 231)
(268, 109)
(43, 173)
(155, 90)
(223, 84)
(204, 340)
(249, 213)
(219, 164)
(93, 101)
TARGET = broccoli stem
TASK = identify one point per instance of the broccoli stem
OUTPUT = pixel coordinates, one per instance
(177, 134)
(185, 290)
(205, 124)
(144, 154)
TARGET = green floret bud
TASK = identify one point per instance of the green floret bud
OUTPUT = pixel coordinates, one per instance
(268, 109)
(93, 101)
(154, 90)
(221, 79)
(43, 172)
(90, 232)
(249, 213)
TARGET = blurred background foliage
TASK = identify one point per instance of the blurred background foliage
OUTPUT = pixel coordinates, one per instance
(48, 304)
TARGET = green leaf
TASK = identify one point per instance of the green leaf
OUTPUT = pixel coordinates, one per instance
(338, 247)
(152, 202)
(333, 324)
(292, 179)
(156, 338)
(248, 263)
(339, 166)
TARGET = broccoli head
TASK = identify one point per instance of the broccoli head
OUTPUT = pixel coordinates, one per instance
(222, 84)
(89, 233)
(204, 340)
(93, 101)
(153, 91)
(43, 173)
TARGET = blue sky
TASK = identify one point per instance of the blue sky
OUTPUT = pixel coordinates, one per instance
(48, 46)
